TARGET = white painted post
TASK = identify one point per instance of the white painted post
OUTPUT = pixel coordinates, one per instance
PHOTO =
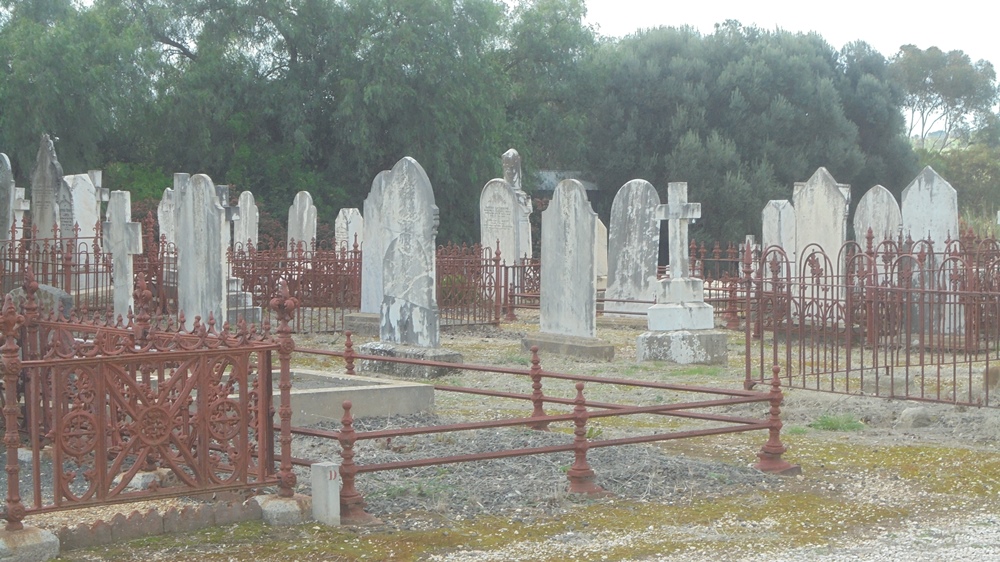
(326, 484)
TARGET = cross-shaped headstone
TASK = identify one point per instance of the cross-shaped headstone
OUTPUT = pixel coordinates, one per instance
(122, 239)
(677, 212)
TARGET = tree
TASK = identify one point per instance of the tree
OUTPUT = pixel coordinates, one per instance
(943, 92)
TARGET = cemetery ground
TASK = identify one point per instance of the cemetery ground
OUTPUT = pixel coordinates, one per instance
(872, 476)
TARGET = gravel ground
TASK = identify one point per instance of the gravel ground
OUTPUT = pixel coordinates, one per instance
(934, 525)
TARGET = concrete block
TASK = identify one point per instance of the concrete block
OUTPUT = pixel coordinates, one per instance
(276, 510)
(681, 316)
(318, 397)
(362, 323)
(683, 347)
(405, 370)
(326, 485)
(30, 544)
(587, 349)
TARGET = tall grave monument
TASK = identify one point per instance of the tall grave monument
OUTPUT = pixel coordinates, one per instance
(568, 309)
(245, 224)
(878, 211)
(202, 240)
(633, 247)
(409, 324)
(821, 219)
(681, 324)
(122, 239)
(46, 180)
(8, 197)
(301, 223)
(504, 209)
(348, 229)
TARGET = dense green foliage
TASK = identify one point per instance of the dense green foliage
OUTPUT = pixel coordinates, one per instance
(278, 96)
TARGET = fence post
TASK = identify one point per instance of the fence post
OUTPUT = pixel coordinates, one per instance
(348, 354)
(770, 453)
(508, 301)
(10, 324)
(537, 398)
(497, 297)
(284, 306)
(581, 476)
(352, 504)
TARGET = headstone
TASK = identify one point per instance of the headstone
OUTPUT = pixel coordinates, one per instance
(50, 300)
(8, 196)
(245, 225)
(21, 206)
(46, 180)
(930, 209)
(633, 247)
(681, 322)
(930, 212)
(512, 175)
(202, 240)
(568, 300)
(877, 210)
(821, 219)
(409, 311)
(504, 211)
(375, 244)
(166, 216)
(568, 288)
(301, 222)
(122, 239)
(84, 209)
(600, 255)
(778, 221)
(349, 228)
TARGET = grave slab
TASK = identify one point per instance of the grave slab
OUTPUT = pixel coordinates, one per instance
(405, 370)
(585, 349)
(683, 347)
(319, 396)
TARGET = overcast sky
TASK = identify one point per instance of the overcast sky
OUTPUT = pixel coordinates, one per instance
(957, 24)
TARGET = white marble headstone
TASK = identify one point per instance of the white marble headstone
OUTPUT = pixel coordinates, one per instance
(8, 196)
(245, 225)
(633, 247)
(600, 255)
(821, 218)
(374, 250)
(301, 222)
(877, 210)
(202, 240)
(21, 205)
(498, 209)
(930, 209)
(122, 239)
(46, 180)
(778, 222)
(568, 288)
(409, 311)
(348, 228)
(85, 208)
(166, 216)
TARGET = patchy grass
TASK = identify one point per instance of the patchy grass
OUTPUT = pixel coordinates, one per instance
(837, 422)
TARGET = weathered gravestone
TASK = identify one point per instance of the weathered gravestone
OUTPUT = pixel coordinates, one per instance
(8, 197)
(301, 223)
(778, 222)
(349, 229)
(877, 210)
(409, 325)
(503, 212)
(568, 309)
(820, 222)
(50, 300)
(46, 180)
(633, 247)
(122, 239)
(202, 240)
(600, 255)
(930, 214)
(79, 206)
(21, 205)
(166, 217)
(681, 322)
(245, 224)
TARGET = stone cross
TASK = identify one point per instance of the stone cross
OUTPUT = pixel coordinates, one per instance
(122, 239)
(677, 212)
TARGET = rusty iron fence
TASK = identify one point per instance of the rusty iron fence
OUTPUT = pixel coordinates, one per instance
(578, 410)
(468, 285)
(899, 319)
(109, 414)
